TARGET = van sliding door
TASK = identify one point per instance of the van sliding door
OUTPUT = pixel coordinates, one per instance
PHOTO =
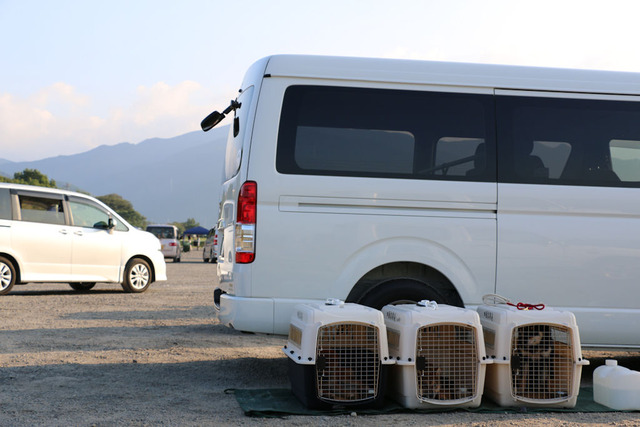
(569, 208)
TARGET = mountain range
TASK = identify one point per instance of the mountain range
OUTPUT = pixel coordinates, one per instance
(166, 179)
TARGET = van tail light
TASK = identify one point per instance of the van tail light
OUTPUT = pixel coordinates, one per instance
(246, 223)
(173, 244)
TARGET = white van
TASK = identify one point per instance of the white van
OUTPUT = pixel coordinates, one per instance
(51, 235)
(381, 181)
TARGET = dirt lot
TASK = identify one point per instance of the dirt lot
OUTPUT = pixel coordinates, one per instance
(161, 358)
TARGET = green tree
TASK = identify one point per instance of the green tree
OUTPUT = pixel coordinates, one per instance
(33, 177)
(189, 223)
(180, 226)
(125, 209)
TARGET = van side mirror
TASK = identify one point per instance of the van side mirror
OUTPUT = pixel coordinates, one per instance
(211, 121)
(214, 118)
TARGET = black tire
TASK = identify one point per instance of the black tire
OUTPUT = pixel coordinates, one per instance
(204, 258)
(82, 287)
(137, 276)
(7, 276)
(403, 291)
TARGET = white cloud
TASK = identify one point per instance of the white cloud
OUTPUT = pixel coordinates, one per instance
(58, 120)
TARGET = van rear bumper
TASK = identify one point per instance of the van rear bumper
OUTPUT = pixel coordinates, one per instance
(262, 315)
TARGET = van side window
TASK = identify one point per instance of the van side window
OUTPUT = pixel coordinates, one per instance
(361, 132)
(86, 215)
(569, 141)
(5, 203)
(625, 159)
(233, 151)
(41, 209)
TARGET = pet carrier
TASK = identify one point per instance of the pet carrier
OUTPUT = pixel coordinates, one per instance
(337, 354)
(537, 360)
(439, 354)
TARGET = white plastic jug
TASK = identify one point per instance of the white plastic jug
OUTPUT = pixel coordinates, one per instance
(616, 387)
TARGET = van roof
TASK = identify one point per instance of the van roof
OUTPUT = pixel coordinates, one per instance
(454, 74)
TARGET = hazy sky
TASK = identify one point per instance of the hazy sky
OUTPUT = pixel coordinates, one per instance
(78, 74)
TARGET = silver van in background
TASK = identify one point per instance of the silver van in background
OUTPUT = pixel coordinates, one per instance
(168, 236)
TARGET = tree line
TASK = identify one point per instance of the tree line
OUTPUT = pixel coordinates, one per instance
(123, 207)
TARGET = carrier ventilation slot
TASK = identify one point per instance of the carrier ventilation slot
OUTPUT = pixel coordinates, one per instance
(347, 362)
(541, 362)
(446, 362)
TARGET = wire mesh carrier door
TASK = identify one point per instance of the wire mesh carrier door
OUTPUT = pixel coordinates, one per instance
(542, 362)
(446, 363)
(347, 362)
(338, 355)
(439, 355)
(537, 359)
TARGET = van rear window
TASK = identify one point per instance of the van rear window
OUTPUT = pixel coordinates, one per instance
(162, 232)
(386, 133)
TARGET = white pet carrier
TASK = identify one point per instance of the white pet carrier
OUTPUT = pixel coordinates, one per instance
(338, 354)
(537, 360)
(439, 354)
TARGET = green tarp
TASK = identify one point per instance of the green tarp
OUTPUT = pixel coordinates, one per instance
(281, 402)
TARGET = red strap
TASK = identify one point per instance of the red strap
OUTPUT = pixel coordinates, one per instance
(525, 306)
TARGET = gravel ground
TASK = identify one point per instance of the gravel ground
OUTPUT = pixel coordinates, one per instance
(161, 358)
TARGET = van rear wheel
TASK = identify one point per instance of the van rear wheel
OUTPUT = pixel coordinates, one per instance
(7, 276)
(403, 291)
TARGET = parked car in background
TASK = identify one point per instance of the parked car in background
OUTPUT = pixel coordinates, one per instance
(168, 236)
(208, 253)
(51, 235)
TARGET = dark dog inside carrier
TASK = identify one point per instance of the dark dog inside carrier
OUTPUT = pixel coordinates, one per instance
(541, 362)
(348, 369)
(446, 362)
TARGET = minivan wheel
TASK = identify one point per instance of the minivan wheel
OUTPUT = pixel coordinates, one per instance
(7, 276)
(137, 276)
(402, 291)
(82, 287)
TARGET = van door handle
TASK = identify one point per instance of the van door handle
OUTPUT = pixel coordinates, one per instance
(63, 231)
(78, 233)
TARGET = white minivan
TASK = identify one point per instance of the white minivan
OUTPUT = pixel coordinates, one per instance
(51, 235)
(382, 181)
